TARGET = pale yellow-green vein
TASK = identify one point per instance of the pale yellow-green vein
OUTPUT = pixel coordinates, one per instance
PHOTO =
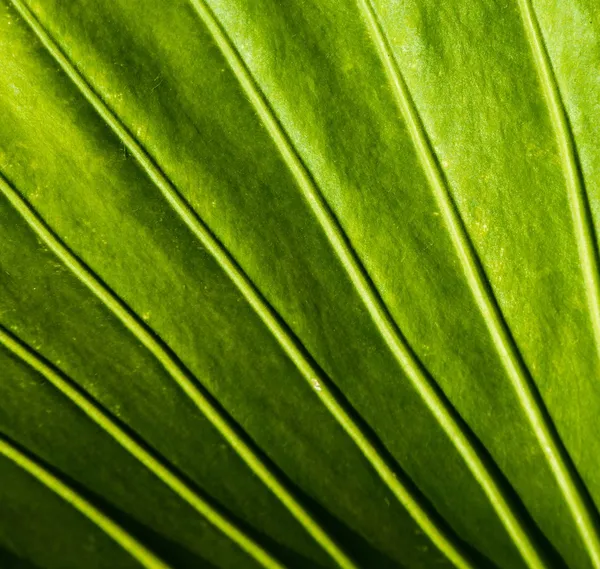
(585, 518)
(517, 372)
(175, 369)
(152, 463)
(129, 543)
(265, 473)
(439, 535)
(429, 392)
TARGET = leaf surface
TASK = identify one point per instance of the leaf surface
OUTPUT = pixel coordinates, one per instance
(299, 284)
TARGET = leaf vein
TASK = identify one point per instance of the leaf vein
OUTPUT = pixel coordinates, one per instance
(582, 509)
(264, 472)
(523, 384)
(103, 419)
(429, 391)
(111, 528)
(445, 540)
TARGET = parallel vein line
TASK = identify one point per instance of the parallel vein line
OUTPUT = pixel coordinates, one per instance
(523, 384)
(199, 229)
(171, 364)
(585, 518)
(439, 535)
(579, 201)
(86, 404)
(119, 534)
(432, 396)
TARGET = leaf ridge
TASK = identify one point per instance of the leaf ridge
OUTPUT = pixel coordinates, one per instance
(186, 381)
(578, 196)
(434, 399)
(95, 412)
(444, 539)
(582, 510)
(111, 528)
(199, 229)
(528, 395)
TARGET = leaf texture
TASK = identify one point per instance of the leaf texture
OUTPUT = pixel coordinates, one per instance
(299, 284)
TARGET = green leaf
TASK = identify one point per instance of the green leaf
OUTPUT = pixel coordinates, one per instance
(301, 284)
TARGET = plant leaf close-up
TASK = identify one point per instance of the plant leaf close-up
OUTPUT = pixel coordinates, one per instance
(295, 284)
